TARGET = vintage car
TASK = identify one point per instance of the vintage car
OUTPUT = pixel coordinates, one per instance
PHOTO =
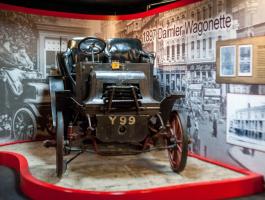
(25, 104)
(106, 97)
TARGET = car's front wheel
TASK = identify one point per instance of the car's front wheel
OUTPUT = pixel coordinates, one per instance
(179, 141)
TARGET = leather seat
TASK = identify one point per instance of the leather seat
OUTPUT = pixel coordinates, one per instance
(68, 59)
(67, 62)
(126, 50)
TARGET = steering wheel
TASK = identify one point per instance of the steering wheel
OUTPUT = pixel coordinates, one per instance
(91, 45)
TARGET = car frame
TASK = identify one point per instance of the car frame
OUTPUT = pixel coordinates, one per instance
(105, 96)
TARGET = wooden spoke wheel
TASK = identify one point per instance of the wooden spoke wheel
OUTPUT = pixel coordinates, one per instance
(60, 164)
(178, 139)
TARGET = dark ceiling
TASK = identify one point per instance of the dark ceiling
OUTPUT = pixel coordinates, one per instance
(100, 7)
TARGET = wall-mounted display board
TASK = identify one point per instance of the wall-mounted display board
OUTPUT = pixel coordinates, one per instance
(241, 61)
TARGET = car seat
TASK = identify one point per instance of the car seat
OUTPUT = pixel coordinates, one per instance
(127, 50)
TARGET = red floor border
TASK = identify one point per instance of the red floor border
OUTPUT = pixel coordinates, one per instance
(250, 184)
(97, 17)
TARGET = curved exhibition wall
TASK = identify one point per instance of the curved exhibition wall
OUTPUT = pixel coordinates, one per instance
(184, 40)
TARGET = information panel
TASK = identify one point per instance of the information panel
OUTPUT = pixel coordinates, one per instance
(241, 61)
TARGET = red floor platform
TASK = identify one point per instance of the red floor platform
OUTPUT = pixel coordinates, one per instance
(249, 184)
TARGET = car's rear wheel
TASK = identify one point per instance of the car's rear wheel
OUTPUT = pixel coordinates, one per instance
(179, 140)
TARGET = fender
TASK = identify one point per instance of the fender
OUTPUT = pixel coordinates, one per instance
(167, 104)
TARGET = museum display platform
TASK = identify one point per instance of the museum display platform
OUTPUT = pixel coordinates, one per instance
(142, 176)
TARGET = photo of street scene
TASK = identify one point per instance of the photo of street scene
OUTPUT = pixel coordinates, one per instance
(245, 60)
(228, 61)
(187, 63)
(246, 120)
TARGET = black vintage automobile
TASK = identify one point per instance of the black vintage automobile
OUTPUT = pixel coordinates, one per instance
(105, 96)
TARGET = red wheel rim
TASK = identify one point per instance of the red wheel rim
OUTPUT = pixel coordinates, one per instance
(176, 132)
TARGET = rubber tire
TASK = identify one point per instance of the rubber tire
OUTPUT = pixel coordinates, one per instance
(184, 154)
(60, 165)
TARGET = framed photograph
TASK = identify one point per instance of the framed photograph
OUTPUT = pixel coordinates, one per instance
(228, 61)
(246, 120)
(245, 60)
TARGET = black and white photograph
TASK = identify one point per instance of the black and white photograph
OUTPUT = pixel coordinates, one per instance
(246, 120)
(245, 60)
(228, 61)
(26, 59)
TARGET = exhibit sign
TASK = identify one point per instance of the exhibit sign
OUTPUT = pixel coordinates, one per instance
(241, 61)
(246, 120)
(188, 27)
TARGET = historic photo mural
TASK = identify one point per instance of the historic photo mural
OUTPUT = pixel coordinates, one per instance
(28, 48)
(184, 42)
(246, 120)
